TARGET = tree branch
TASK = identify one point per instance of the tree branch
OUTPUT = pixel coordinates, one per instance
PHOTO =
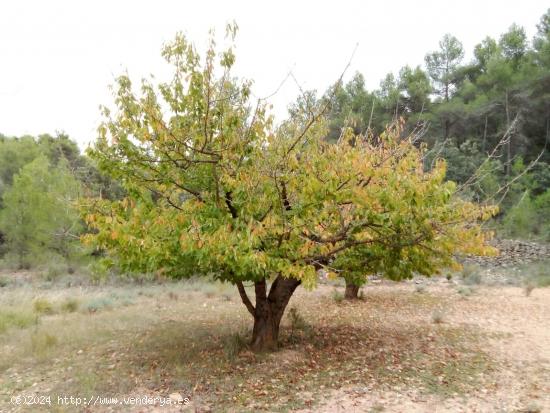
(244, 297)
(229, 203)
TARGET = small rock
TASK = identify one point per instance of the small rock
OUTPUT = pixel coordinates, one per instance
(176, 397)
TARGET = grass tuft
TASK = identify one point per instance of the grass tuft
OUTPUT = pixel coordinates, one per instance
(41, 342)
(471, 275)
(337, 296)
(54, 272)
(465, 291)
(15, 319)
(98, 304)
(4, 281)
(233, 345)
(531, 408)
(438, 316)
(70, 305)
(298, 323)
(42, 306)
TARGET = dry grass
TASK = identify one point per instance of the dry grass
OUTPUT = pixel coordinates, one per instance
(191, 338)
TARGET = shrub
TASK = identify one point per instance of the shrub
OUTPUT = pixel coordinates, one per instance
(337, 296)
(99, 272)
(37, 205)
(70, 305)
(99, 304)
(41, 342)
(465, 291)
(15, 319)
(518, 222)
(42, 306)
(54, 271)
(535, 275)
(470, 275)
(542, 208)
(541, 275)
(474, 279)
(4, 281)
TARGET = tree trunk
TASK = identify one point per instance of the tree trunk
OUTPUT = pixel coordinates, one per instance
(485, 135)
(268, 311)
(509, 143)
(265, 335)
(370, 118)
(352, 291)
(447, 128)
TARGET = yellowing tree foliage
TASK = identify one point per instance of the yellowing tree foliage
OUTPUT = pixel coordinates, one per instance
(215, 189)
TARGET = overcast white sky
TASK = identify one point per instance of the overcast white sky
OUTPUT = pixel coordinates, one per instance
(58, 57)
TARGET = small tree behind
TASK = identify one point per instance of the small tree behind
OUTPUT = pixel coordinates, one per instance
(39, 213)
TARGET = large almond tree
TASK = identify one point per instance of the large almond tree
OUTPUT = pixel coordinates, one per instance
(215, 189)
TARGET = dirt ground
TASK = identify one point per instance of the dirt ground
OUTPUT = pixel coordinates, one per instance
(520, 344)
(402, 348)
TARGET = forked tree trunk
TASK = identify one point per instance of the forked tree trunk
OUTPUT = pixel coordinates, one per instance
(268, 311)
(352, 291)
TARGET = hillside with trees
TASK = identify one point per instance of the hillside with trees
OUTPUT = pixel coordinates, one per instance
(489, 118)
(495, 106)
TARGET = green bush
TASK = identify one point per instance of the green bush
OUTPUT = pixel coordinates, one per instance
(70, 305)
(337, 296)
(54, 271)
(537, 274)
(542, 209)
(42, 306)
(15, 319)
(99, 271)
(471, 275)
(529, 218)
(37, 210)
(465, 291)
(520, 219)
